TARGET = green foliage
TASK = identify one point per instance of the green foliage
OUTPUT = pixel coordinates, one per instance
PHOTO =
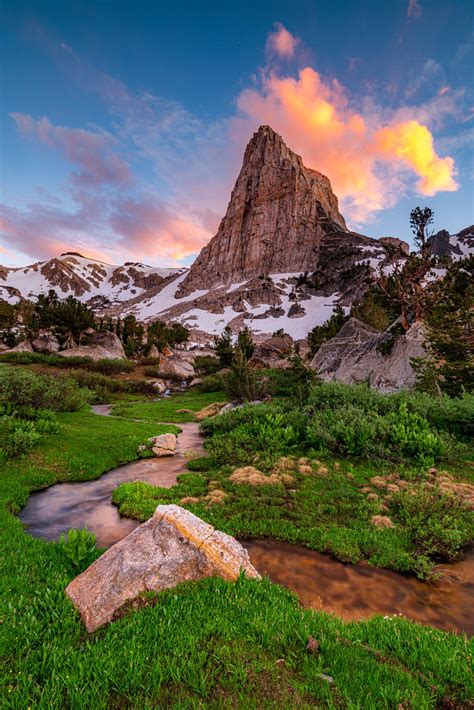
(164, 334)
(420, 220)
(245, 343)
(180, 407)
(244, 383)
(224, 347)
(17, 437)
(437, 523)
(329, 329)
(106, 366)
(206, 364)
(372, 310)
(79, 546)
(450, 330)
(22, 392)
(64, 317)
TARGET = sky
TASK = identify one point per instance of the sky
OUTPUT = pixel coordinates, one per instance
(123, 123)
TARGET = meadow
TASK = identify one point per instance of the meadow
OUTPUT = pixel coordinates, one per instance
(213, 643)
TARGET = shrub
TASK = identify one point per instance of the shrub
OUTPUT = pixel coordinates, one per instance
(213, 383)
(22, 391)
(114, 366)
(79, 547)
(243, 383)
(206, 364)
(19, 436)
(438, 524)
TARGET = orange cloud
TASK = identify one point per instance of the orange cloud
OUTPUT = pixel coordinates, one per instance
(282, 42)
(365, 162)
(412, 143)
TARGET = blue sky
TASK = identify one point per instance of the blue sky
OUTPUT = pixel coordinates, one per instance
(123, 124)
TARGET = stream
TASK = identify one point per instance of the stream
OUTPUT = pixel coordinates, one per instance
(352, 592)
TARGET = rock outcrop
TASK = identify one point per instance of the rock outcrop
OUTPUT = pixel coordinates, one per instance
(45, 342)
(103, 346)
(174, 546)
(278, 213)
(175, 368)
(356, 354)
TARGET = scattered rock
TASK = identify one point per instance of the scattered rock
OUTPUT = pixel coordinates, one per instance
(176, 368)
(163, 444)
(382, 521)
(328, 678)
(45, 342)
(103, 346)
(24, 346)
(195, 381)
(174, 546)
(210, 411)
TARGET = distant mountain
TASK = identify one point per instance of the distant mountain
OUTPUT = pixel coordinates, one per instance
(282, 258)
(100, 285)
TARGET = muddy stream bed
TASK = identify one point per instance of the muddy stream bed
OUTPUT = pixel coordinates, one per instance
(350, 591)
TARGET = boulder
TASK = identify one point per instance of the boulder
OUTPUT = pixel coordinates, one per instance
(24, 347)
(210, 411)
(355, 355)
(159, 386)
(103, 346)
(154, 352)
(174, 546)
(45, 342)
(176, 368)
(163, 444)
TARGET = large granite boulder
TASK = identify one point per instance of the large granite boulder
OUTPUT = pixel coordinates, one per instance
(174, 546)
(176, 368)
(24, 346)
(103, 346)
(357, 354)
(46, 343)
(163, 444)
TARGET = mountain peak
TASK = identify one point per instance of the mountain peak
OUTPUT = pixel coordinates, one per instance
(278, 213)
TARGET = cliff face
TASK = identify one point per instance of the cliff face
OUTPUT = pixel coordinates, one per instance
(278, 214)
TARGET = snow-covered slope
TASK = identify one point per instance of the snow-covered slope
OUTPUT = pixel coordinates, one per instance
(94, 282)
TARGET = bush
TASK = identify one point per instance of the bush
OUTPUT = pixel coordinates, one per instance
(206, 364)
(213, 383)
(19, 436)
(243, 383)
(79, 547)
(22, 392)
(438, 524)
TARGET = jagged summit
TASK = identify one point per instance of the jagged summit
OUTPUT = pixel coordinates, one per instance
(278, 214)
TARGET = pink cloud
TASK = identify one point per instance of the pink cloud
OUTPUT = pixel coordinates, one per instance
(90, 151)
(148, 226)
(282, 42)
(367, 157)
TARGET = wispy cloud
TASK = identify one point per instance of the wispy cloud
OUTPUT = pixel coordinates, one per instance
(414, 9)
(281, 42)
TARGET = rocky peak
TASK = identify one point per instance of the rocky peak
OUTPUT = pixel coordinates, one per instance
(278, 214)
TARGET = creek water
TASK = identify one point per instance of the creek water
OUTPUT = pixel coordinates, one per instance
(350, 591)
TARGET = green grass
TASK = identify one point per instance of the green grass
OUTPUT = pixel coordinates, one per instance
(167, 409)
(211, 644)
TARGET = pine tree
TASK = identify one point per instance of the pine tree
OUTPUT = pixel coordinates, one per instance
(224, 347)
(245, 343)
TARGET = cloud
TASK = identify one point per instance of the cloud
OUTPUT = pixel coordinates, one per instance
(148, 226)
(414, 9)
(43, 231)
(90, 151)
(365, 155)
(281, 42)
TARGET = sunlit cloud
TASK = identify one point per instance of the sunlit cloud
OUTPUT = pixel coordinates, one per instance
(362, 155)
(282, 42)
